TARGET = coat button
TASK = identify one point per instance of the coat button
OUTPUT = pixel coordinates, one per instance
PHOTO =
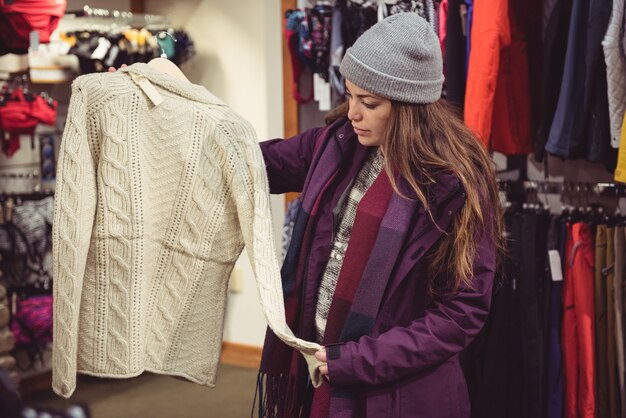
(340, 136)
(449, 212)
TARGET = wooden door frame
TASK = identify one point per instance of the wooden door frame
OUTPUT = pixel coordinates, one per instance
(290, 105)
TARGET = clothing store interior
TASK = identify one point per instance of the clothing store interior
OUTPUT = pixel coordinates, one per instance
(100, 316)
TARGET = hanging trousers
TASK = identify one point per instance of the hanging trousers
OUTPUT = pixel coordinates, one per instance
(578, 324)
(553, 403)
(530, 292)
(618, 305)
(602, 372)
(494, 357)
(608, 273)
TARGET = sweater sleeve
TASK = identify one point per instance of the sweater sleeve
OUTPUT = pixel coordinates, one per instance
(251, 194)
(444, 331)
(75, 204)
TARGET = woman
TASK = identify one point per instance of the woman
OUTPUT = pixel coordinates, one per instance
(393, 251)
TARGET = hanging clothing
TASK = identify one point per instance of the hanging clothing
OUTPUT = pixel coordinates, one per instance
(578, 325)
(532, 288)
(600, 306)
(596, 110)
(505, 364)
(615, 58)
(553, 383)
(454, 58)
(530, 21)
(497, 101)
(442, 26)
(580, 128)
(490, 34)
(19, 18)
(468, 29)
(618, 304)
(154, 203)
(608, 273)
(556, 19)
(357, 17)
(290, 219)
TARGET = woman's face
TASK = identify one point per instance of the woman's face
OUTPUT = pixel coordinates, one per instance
(368, 113)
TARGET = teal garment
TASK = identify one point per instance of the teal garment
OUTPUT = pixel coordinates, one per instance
(167, 45)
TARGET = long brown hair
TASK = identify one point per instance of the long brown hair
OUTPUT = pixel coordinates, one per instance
(422, 140)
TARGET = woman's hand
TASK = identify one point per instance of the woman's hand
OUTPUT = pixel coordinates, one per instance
(113, 69)
(321, 356)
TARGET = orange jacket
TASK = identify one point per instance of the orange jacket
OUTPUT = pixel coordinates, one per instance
(497, 99)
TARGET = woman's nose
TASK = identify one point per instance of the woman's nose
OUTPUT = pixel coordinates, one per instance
(353, 114)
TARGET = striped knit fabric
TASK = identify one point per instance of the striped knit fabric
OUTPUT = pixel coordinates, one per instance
(153, 207)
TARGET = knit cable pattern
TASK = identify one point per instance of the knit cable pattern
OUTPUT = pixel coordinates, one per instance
(153, 207)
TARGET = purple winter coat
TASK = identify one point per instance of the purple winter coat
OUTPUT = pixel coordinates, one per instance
(409, 365)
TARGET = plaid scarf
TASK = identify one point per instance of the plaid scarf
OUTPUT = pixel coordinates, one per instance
(282, 383)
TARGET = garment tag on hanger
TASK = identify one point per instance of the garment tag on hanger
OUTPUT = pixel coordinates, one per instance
(555, 265)
(147, 87)
(152, 93)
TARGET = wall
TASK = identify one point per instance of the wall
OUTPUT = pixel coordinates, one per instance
(238, 58)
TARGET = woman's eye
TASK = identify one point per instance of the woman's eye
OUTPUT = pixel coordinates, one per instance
(369, 105)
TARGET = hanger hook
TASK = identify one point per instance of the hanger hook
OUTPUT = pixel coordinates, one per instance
(161, 35)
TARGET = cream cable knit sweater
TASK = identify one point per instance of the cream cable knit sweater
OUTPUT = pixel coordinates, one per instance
(153, 207)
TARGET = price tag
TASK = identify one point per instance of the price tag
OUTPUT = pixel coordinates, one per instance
(555, 265)
(321, 92)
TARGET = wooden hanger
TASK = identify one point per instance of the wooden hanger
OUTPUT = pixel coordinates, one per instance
(168, 67)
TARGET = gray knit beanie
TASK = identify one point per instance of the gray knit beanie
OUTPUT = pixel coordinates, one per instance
(398, 58)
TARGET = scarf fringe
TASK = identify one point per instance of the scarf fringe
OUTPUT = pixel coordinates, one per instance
(276, 396)
(271, 390)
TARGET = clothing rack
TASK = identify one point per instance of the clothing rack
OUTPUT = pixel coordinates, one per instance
(34, 174)
(35, 189)
(125, 17)
(25, 196)
(566, 187)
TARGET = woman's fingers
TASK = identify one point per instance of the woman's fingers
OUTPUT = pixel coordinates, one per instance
(113, 69)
